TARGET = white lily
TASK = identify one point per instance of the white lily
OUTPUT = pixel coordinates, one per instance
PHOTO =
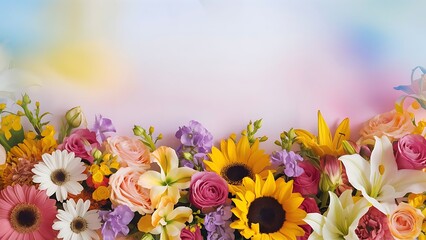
(170, 180)
(340, 220)
(379, 179)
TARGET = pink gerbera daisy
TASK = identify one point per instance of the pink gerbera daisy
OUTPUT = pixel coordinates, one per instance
(26, 213)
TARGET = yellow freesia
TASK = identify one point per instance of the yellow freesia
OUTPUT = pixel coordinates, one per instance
(170, 180)
(10, 122)
(166, 220)
(324, 144)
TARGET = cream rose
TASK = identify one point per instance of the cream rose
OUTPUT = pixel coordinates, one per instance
(131, 152)
(125, 190)
(406, 222)
(392, 124)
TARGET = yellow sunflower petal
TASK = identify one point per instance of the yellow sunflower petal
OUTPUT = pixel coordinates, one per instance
(224, 148)
(248, 184)
(218, 158)
(232, 151)
(243, 149)
(284, 192)
(242, 205)
(269, 186)
(250, 196)
(258, 186)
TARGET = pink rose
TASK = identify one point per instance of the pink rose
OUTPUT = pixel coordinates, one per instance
(373, 226)
(187, 234)
(406, 222)
(308, 182)
(410, 152)
(129, 151)
(310, 206)
(81, 142)
(207, 190)
(125, 190)
(392, 124)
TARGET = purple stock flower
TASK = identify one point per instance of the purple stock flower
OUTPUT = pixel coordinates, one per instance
(196, 142)
(217, 224)
(102, 125)
(116, 222)
(195, 135)
(288, 160)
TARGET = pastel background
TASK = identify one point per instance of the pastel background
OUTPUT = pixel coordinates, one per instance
(220, 62)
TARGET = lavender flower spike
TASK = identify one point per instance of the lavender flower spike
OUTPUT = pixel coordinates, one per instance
(102, 125)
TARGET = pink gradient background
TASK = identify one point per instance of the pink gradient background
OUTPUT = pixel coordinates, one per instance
(223, 63)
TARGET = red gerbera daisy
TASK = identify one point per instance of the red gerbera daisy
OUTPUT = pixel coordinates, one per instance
(26, 213)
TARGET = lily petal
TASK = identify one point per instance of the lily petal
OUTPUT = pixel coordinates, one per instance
(166, 157)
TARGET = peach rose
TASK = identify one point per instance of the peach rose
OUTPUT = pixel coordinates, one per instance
(125, 190)
(406, 222)
(131, 152)
(392, 124)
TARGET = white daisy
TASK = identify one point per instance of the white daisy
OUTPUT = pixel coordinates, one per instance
(76, 223)
(59, 173)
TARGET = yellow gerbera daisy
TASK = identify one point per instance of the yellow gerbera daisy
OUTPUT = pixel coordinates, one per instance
(236, 161)
(268, 209)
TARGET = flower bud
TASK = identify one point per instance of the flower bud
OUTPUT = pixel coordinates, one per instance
(147, 236)
(258, 123)
(97, 154)
(26, 99)
(138, 131)
(349, 149)
(263, 139)
(74, 117)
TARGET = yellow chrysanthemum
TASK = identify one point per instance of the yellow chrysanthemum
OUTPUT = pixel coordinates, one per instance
(236, 161)
(268, 209)
(22, 157)
(33, 148)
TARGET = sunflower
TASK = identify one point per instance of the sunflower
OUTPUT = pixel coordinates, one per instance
(236, 161)
(268, 209)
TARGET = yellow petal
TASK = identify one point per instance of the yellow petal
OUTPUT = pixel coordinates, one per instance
(342, 133)
(232, 154)
(269, 186)
(144, 224)
(324, 135)
(150, 179)
(180, 177)
(166, 157)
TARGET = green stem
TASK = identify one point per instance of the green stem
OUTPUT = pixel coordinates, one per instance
(324, 200)
(4, 143)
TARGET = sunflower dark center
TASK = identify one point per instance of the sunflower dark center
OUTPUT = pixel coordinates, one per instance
(235, 173)
(59, 176)
(268, 212)
(78, 225)
(25, 218)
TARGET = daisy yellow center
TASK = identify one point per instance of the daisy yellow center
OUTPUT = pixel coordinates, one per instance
(234, 173)
(25, 218)
(78, 225)
(268, 213)
(59, 176)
